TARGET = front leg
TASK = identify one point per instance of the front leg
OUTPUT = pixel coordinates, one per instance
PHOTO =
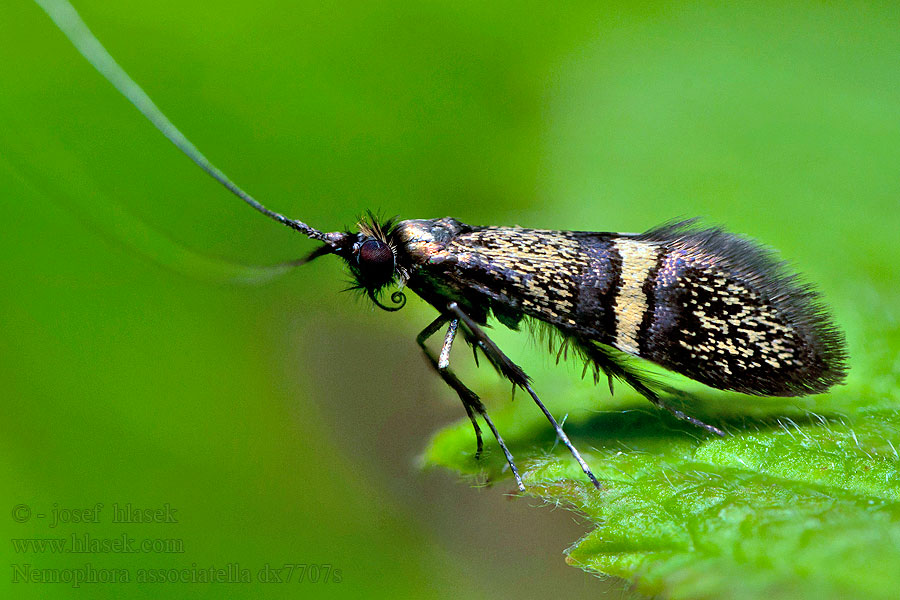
(517, 376)
(471, 402)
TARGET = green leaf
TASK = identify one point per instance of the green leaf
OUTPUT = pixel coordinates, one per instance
(802, 500)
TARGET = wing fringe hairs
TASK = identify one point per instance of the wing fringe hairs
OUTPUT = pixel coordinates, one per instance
(794, 299)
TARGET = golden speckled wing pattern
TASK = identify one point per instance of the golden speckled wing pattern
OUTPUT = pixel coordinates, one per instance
(722, 310)
(536, 271)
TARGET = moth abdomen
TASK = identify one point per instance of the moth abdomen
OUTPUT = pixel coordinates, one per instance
(723, 310)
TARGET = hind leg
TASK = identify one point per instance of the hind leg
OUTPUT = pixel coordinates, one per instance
(618, 368)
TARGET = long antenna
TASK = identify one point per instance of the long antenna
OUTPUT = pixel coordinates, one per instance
(70, 23)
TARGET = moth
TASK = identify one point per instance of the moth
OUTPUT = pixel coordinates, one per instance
(716, 307)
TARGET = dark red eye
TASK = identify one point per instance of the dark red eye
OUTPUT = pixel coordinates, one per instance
(376, 262)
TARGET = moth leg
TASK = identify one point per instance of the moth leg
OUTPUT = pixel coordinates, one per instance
(517, 376)
(686, 417)
(441, 365)
(619, 369)
(470, 400)
(506, 452)
(444, 359)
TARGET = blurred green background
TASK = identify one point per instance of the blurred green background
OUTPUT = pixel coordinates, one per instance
(285, 422)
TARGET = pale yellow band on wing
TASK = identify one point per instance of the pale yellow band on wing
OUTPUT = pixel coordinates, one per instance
(638, 258)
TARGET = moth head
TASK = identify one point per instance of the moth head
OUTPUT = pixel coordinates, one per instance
(371, 255)
(373, 262)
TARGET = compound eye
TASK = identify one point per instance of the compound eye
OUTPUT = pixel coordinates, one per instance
(376, 262)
